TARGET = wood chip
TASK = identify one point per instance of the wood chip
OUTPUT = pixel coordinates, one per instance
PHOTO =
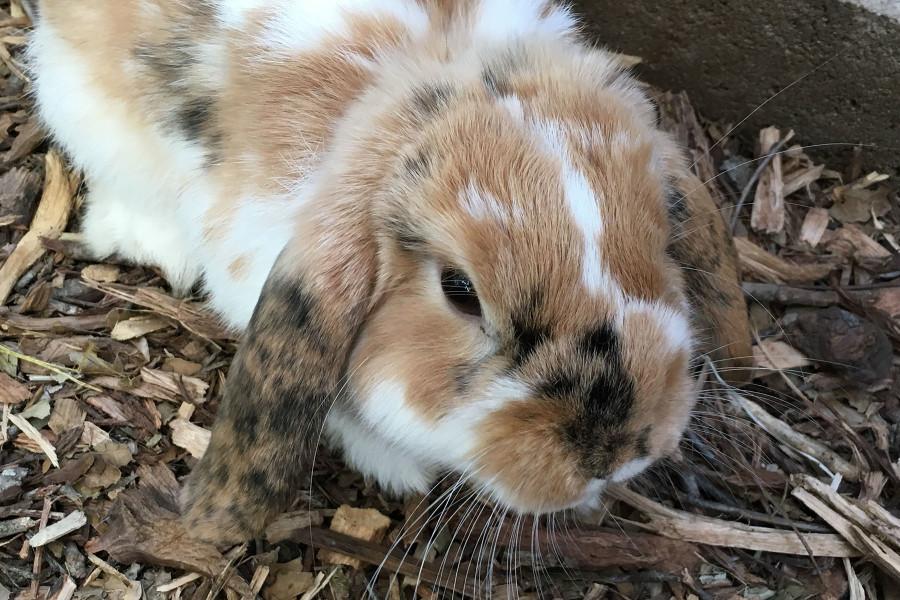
(101, 273)
(13, 527)
(814, 226)
(768, 205)
(874, 549)
(66, 590)
(289, 526)
(11, 391)
(67, 414)
(138, 326)
(34, 435)
(288, 581)
(178, 582)
(193, 438)
(774, 355)
(72, 522)
(801, 442)
(851, 240)
(134, 587)
(801, 178)
(362, 523)
(144, 525)
(49, 221)
(759, 264)
(680, 525)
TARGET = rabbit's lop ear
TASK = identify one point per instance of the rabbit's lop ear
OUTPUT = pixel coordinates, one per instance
(284, 378)
(705, 250)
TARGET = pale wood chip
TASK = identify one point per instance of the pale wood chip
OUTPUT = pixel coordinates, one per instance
(873, 549)
(66, 590)
(768, 204)
(680, 525)
(171, 385)
(361, 523)
(178, 582)
(71, 522)
(799, 179)
(101, 273)
(134, 587)
(93, 436)
(775, 355)
(851, 240)
(764, 266)
(186, 411)
(815, 224)
(193, 438)
(34, 435)
(49, 221)
(138, 326)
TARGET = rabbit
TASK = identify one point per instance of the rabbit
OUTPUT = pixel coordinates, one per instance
(451, 233)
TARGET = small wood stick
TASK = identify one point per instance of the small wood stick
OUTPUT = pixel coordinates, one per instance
(39, 552)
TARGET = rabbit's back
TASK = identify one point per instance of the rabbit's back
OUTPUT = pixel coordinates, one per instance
(198, 124)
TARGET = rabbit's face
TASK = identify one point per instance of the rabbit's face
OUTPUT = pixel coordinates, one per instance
(532, 331)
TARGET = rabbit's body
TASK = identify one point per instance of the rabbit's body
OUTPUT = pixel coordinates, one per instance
(340, 166)
(200, 125)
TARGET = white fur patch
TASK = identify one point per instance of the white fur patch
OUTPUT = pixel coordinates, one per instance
(233, 13)
(584, 207)
(630, 469)
(502, 20)
(134, 207)
(513, 106)
(586, 213)
(303, 25)
(674, 325)
(593, 495)
(483, 206)
(239, 238)
(395, 469)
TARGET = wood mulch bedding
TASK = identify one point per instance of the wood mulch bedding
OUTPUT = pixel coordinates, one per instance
(788, 489)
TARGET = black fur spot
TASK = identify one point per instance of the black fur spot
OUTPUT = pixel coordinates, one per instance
(676, 205)
(431, 99)
(299, 305)
(289, 411)
(220, 474)
(528, 332)
(495, 76)
(528, 339)
(193, 117)
(418, 165)
(642, 442)
(462, 376)
(405, 234)
(245, 426)
(601, 340)
(560, 386)
(599, 448)
(255, 479)
(611, 397)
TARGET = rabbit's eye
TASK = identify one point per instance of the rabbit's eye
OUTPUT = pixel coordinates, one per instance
(460, 292)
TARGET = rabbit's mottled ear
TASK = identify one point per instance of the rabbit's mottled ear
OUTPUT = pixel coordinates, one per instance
(704, 248)
(283, 380)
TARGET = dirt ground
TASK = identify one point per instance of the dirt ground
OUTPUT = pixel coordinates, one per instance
(787, 489)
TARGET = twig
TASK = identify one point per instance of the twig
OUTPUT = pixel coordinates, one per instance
(752, 515)
(39, 551)
(753, 178)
